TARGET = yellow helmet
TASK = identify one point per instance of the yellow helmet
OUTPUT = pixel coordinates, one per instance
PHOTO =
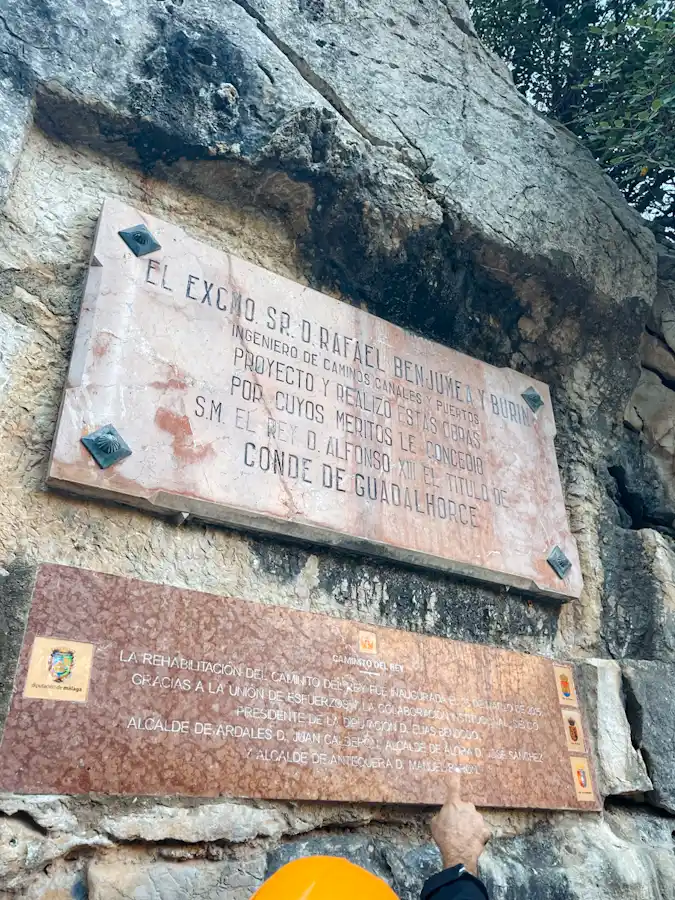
(323, 878)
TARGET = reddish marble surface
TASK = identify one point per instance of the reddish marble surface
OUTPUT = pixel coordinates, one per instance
(150, 727)
(252, 400)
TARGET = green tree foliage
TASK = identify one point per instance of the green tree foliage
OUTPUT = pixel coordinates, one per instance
(606, 69)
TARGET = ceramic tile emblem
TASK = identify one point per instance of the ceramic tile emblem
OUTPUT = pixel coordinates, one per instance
(567, 694)
(574, 731)
(195, 694)
(59, 670)
(245, 398)
(583, 781)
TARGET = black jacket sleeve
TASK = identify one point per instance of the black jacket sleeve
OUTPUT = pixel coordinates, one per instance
(444, 886)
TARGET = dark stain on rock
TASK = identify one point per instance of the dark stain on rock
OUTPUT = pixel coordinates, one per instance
(201, 90)
(644, 498)
(18, 73)
(284, 561)
(16, 591)
(414, 599)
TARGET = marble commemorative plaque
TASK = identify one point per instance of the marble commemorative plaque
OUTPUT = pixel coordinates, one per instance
(125, 687)
(203, 385)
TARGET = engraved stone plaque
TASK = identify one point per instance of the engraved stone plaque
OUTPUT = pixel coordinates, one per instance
(193, 694)
(248, 399)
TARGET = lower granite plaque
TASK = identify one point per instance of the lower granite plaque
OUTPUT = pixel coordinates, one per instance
(203, 385)
(126, 687)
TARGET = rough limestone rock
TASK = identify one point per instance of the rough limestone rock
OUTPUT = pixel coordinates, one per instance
(661, 319)
(400, 102)
(650, 697)
(16, 85)
(495, 153)
(48, 812)
(131, 819)
(657, 356)
(228, 880)
(648, 474)
(623, 853)
(651, 412)
(594, 858)
(61, 881)
(25, 849)
(651, 838)
(639, 601)
(231, 822)
(620, 768)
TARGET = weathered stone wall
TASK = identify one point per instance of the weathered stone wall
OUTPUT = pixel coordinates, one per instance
(377, 152)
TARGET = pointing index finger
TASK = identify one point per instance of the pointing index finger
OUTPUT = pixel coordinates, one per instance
(454, 784)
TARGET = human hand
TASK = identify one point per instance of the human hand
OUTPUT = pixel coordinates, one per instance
(459, 830)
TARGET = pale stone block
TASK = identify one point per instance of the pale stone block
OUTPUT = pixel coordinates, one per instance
(211, 822)
(619, 766)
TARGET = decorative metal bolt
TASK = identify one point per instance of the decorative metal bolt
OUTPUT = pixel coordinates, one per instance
(139, 240)
(559, 562)
(107, 446)
(532, 398)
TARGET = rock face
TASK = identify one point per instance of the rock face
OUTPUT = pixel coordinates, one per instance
(639, 597)
(651, 411)
(374, 150)
(335, 91)
(649, 688)
(620, 855)
(175, 881)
